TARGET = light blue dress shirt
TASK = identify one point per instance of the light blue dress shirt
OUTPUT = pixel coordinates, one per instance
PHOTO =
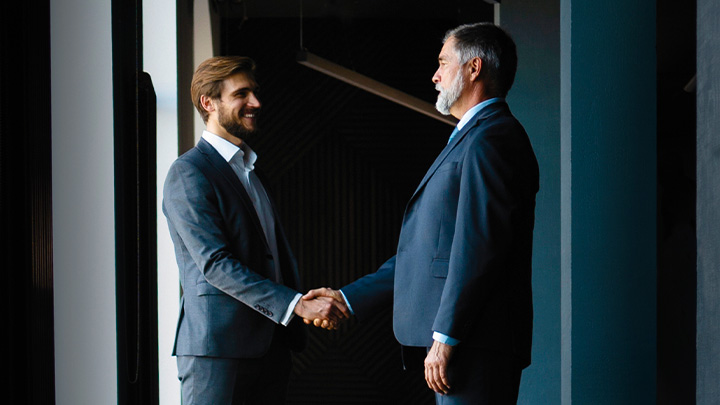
(471, 113)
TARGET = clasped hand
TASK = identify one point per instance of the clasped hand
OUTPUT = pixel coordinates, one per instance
(323, 307)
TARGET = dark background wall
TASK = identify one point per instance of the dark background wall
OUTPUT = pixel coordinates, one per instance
(342, 164)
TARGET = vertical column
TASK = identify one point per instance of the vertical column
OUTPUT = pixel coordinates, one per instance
(160, 60)
(535, 101)
(185, 32)
(608, 203)
(26, 201)
(565, 202)
(83, 202)
(204, 46)
(708, 195)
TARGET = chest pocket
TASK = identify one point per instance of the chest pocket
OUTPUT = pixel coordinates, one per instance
(447, 166)
(439, 268)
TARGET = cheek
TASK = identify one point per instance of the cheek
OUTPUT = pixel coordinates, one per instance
(239, 106)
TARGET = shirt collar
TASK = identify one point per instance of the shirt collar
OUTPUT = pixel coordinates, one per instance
(228, 150)
(474, 110)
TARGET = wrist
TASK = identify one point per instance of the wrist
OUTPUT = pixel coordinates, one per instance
(443, 338)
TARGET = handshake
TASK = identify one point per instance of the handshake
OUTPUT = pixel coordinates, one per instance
(323, 307)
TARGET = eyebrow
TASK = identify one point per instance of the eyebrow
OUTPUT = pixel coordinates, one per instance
(244, 90)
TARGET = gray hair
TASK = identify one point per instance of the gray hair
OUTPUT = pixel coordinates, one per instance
(494, 47)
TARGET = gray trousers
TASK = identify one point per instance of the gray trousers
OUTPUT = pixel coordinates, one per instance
(221, 381)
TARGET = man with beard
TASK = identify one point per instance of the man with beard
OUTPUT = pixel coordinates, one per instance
(460, 282)
(239, 278)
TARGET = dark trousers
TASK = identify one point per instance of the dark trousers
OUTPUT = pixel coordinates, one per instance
(220, 381)
(480, 377)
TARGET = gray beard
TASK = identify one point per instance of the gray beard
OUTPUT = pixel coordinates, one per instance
(448, 97)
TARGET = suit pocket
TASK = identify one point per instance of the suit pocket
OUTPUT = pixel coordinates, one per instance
(447, 166)
(439, 268)
(207, 289)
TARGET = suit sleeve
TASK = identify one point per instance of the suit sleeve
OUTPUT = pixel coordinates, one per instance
(193, 211)
(481, 238)
(373, 293)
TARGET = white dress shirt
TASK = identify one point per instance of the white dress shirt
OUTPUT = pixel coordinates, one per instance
(242, 160)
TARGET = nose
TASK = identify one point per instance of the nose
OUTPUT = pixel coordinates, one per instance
(436, 77)
(253, 101)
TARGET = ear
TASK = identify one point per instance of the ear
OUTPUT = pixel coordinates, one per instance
(474, 67)
(207, 103)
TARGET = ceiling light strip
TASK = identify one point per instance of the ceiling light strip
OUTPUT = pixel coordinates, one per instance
(373, 86)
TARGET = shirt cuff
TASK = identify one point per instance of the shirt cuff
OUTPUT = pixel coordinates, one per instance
(347, 302)
(445, 339)
(290, 313)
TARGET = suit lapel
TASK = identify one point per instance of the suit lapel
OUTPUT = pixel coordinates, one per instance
(222, 169)
(481, 115)
(441, 158)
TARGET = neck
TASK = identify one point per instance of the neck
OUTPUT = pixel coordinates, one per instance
(217, 129)
(473, 96)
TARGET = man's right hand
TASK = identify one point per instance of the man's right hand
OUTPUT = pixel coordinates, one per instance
(325, 294)
(322, 310)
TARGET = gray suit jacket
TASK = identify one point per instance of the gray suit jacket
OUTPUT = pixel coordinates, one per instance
(463, 262)
(231, 302)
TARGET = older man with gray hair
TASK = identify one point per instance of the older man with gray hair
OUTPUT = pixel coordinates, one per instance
(460, 282)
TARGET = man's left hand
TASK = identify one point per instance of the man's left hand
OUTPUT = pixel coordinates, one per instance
(436, 367)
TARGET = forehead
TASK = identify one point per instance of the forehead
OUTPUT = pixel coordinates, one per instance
(447, 53)
(238, 81)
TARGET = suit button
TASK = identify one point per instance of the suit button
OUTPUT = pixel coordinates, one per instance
(264, 310)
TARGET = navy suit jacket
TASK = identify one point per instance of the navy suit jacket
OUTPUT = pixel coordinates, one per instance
(231, 302)
(463, 262)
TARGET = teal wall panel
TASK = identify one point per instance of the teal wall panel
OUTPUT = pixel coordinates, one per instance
(611, 83)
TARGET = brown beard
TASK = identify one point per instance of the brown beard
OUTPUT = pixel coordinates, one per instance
(233, 126)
